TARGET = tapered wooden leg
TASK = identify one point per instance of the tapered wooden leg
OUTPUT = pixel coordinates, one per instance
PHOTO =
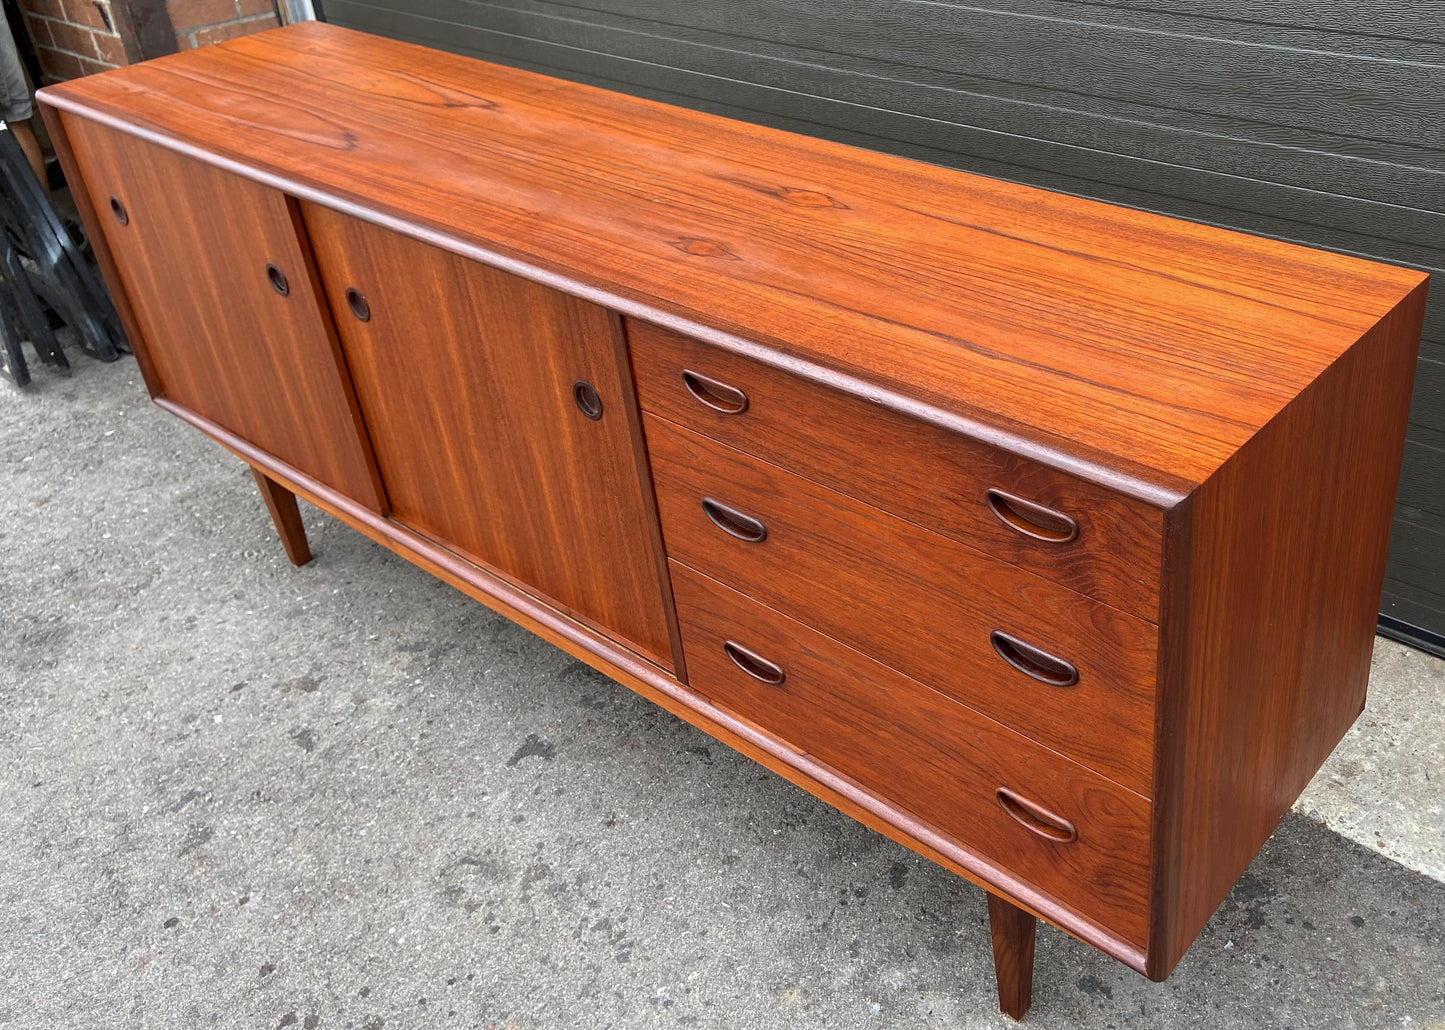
(281, 503)
(1012, 930)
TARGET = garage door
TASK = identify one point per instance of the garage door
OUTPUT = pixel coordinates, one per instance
(1318, 121)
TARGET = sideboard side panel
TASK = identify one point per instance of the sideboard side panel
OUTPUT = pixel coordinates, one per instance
(192, 248)
(1285, 565)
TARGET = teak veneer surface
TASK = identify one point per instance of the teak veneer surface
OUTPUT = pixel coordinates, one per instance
(1132, 347)
(465, 376)
(915, 601)
(218, 337)
(924, 751)
(907, 466)
(1222, 415)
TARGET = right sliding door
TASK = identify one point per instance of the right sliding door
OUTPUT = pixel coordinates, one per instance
(498, 414)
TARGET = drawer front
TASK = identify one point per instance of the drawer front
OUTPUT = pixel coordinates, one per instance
(916, 601)
(926, 474)
(920, 750)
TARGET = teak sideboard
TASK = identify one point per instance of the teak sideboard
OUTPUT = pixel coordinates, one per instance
(1044, 536)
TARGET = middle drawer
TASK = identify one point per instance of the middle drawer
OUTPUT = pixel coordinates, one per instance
(1071, 672)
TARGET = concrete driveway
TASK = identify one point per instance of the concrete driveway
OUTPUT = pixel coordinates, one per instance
(238, 794)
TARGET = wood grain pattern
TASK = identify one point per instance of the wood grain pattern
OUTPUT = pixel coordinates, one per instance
(839, 259)
(1012, 931)
(922, 472)
(1276, 605)
(281, 503)
(915, 601)
(466, 375)
(1221, 416)
(1262, 117)
(624, 665)
(221, 340)
(60, 141)
(923, 751)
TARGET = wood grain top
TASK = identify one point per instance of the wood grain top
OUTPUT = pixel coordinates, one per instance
(1135, 349)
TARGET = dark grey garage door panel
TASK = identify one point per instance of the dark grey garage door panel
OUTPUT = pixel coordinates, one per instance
(1410, 608)
(1422, 474)
(1398, 19)
(1428, 408)
(1034, 142)
(1319, 121)
(1162, 95)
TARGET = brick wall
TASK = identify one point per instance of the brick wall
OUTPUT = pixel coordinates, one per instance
(73, 37)
(198, 22)
(78, 37)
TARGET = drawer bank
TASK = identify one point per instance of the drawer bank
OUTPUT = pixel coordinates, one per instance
(1044, 536)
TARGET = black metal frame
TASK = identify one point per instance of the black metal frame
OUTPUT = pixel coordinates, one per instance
(41, 267)
(1423, 639)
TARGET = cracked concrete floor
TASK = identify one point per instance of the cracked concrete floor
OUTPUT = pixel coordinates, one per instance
(238, 794)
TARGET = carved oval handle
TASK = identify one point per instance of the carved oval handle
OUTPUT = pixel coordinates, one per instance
(277, 279)
(720, 397)
(1036, 818)
(1032, 520)
(1033, 661)
(733, 522)
(756, 666)
(118, 209)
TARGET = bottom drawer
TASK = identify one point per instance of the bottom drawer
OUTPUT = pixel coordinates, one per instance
(1073, 834)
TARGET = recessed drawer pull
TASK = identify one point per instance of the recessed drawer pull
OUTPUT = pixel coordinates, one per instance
(733, 522)
(1032, 661)
(721, 397)
(1035, 818)
(757, 667)
(1032, 520)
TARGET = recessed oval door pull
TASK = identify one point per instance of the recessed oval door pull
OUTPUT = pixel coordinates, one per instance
(356, 301)
(756, 666)
(1036, 818)
(1033, 661)
(720, 397)
(584, 395)
(118, 209)
(1032, 520)
(733, 522)
(277, 279)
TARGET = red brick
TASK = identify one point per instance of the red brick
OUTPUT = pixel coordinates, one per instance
(250, 8)
(75, 38)
(85, 12)
(49, 8)
(91, 67)
(58, 65)
(218, 33)
(110, 49)
(191, 14)
(39, 30)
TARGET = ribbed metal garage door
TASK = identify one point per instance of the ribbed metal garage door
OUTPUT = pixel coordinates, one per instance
(1320, 121)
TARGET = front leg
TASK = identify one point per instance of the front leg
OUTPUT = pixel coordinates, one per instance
(1012, 930)
(286, 516)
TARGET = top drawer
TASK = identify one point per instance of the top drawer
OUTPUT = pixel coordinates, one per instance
(946, 482)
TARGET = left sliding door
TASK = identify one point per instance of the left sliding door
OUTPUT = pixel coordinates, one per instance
(220, 280)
